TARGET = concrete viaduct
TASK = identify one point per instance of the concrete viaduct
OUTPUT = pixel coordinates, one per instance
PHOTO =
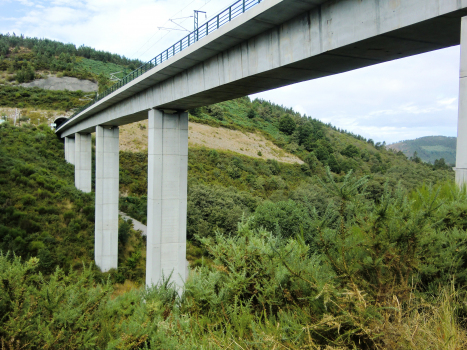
(272, 43)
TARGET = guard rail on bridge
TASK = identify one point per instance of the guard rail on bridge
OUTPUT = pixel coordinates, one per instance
(207, 28)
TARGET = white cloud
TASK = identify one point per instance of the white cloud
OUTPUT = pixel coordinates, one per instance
(121, 26)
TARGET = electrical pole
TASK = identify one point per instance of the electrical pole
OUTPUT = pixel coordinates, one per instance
(197, 22)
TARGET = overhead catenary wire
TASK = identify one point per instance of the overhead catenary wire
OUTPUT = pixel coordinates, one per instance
(169, 32)
(142, 46)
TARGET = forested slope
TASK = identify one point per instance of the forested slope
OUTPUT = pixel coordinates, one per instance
(429, 149)
(24, 59)
(224, 185)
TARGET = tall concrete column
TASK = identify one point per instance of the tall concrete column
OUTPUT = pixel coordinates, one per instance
(107, 193)
(71, 150)
(83, 161)
(67, 149)
(167, 197)
(461, 153)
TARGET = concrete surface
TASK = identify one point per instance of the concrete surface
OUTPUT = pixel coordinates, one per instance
(66, 149)
(71, 153)
(167, 197)
(70, 150)
(107, 194)
(83, 162)
(265, 49)
(461, 152)
(65, 83)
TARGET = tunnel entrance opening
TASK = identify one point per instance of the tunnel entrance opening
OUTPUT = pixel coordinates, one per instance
(59, 121)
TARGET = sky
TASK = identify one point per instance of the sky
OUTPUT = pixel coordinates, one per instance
(399, 100)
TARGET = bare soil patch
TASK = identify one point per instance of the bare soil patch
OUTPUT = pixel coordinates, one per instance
(134, 138)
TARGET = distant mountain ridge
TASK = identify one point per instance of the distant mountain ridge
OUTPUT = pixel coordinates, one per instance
(429, 148)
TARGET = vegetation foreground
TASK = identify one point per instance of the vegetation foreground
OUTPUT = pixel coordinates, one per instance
(282, 256)
(362, 272)
(365, 275)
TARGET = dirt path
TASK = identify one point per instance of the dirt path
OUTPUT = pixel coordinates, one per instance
(138, 226)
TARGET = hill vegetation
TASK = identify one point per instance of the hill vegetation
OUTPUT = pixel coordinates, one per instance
(301, 258)
(42, 214)
(357, 247)
(24, 59)
(243, 182)
(363, 275)
(429, 149)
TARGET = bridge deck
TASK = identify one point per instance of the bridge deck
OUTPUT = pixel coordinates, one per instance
(278, 43)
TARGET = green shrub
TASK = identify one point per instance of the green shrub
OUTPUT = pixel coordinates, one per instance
(28, 199)
(284, 218)
(287, 124)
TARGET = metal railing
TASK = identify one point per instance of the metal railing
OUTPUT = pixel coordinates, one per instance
(235, 10)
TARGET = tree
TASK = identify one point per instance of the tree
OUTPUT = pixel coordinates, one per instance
(351, 151)
(103, 82)
(304, 132)
(287, 124)
(440, 164)
(251, 113)
(287, 218)
(416, 158)
(25, 74)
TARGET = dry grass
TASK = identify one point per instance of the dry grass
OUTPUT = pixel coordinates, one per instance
(134, 138)
(432, 326)
(120, 289)
(418, 325)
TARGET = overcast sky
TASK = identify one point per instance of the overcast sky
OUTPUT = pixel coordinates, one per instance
(399, 100)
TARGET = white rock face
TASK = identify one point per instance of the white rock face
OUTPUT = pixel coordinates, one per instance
(65, 83)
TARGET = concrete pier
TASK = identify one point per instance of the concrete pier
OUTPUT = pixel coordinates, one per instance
(107, 193)
(461, 153)
(71, 153)
(167, 196)
(66, 148)
(70, 150)
(83, 162)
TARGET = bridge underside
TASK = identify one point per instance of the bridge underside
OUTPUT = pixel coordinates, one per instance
(324, 41)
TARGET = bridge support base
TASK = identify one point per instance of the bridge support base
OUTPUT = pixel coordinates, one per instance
(107, 193)
(167, 197)
(70, 150)
(83, 161)
(461, 153)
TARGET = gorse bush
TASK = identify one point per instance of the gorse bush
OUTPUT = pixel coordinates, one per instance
(370, 282)
(60, 312)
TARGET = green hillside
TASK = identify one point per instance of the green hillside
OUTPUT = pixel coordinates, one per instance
(325, 264)
(429, 148)
(42, 214)
(244, 182)
(24, 59)
(360, 247)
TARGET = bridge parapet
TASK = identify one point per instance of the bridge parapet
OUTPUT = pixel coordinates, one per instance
(224, 17)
